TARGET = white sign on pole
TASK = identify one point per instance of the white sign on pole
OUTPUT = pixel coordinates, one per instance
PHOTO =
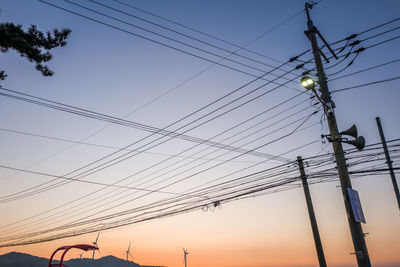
(356, 205)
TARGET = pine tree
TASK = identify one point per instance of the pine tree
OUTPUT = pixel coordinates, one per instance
(32, 44)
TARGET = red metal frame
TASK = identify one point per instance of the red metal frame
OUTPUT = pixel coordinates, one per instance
(66, 248)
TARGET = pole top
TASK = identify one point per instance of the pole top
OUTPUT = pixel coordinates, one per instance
(307, 6)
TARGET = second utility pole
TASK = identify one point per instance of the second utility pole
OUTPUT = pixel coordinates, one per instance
(357, 234)
(311, 214)
(388, 161)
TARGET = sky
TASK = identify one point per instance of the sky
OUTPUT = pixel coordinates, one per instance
(157, 76)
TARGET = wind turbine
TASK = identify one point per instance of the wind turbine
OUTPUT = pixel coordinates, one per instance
(128, 253)
(185, 252)
(95, 244)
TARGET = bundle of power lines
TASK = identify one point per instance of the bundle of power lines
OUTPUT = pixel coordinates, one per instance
(95, 210)
(210, 195)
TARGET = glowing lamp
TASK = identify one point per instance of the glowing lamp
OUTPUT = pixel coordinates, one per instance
(308, 83)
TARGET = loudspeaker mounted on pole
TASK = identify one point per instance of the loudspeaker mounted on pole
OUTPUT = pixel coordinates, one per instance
(352, 131)
(359, 143)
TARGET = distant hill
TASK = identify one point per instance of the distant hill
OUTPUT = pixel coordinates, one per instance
(108, 261)
(15, 259)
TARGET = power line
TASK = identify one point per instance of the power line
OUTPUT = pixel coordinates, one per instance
(97, 200)
(356, 42)
(251, 190)
(99, 116)
(164, 44)
(52, 216)
(95, 145)
(75, 207)
(165, 179)
(361, 49)
(383, 42)
(170, 90)
(228, 193)
(367, 30)
(366, 69)
(217, 38)
(365, 84)
(169, 29)
(211, 138)
(121, 157)
(86, 181)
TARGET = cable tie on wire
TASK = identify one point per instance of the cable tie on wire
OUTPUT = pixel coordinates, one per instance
(293, 59)
(351, 36)
(359, 50)
(356, 42)
(299, 66)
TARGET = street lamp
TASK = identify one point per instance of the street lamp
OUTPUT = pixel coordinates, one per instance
(308, 83)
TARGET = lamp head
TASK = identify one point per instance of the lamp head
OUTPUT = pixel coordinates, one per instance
(308, 83)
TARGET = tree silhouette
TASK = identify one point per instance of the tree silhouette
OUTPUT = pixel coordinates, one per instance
(32, 44)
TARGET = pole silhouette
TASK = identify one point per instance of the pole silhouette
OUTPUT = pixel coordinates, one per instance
(311, 213)
(388, 161)
(357, 234)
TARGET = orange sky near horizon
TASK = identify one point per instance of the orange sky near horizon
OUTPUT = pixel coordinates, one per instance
(272, 238)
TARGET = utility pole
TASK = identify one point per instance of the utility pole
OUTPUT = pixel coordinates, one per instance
(388, 161)
(357, 234)
(314, 226)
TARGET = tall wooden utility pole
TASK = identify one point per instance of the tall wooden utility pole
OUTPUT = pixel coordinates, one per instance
(357, 234)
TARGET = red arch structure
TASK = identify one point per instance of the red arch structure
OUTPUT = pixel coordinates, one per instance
(66, 248)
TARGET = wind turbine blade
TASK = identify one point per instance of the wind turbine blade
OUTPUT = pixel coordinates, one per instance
(130, 254)
(129, 247)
